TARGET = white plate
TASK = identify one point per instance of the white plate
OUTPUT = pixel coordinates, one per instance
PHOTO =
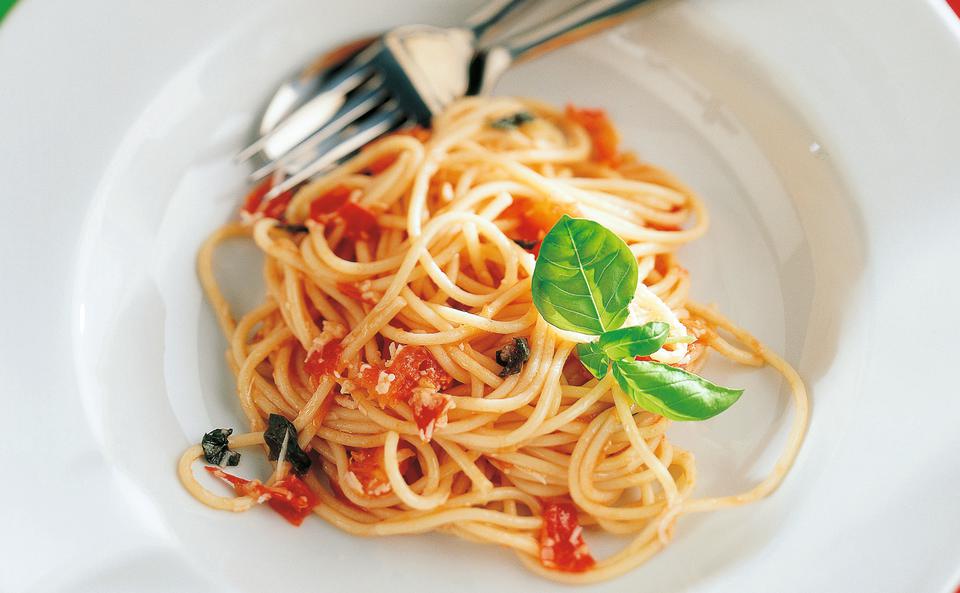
(823, 137)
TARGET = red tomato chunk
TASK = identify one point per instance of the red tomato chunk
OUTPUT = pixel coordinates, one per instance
(290, 497)
(561, 539)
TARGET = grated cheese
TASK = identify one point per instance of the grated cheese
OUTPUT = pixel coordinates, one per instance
(367, 293)
(384, 379)
(393, 349)
(426, 396)
(446, 192)
(331, 331)
(347, 386)
(350, 479)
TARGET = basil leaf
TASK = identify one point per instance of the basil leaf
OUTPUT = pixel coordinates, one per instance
(637, 340)
(292, 228)
(584, 278)
(512, 356)
(672, 392)
(512, 121)
(278, 428)
(216, 448)
(525, 243)
(592, 357)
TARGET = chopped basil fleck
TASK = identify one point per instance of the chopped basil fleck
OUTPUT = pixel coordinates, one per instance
(216, 448)
(512, 121)
(292, 228)
(525, 244)
(512, 356)
(278, 428)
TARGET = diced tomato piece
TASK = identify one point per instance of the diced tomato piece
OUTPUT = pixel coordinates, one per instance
(605, 138)
(418, 364)
(380, 165)
(329, 202)
(275, 208)
(411, 367)
(369, 376)
(242, 486)
(543, 214)
(297, 501)
(290, 497)
(354, 291)
(413, 377)
(252, 202)
(561, 539)
(360, 222)
(419, 132)
(429, 410)
(527, 230)
(537, 217)
(367, 466)
(324, 361)
(575, 372)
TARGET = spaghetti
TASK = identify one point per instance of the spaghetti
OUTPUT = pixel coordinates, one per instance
(394, 284)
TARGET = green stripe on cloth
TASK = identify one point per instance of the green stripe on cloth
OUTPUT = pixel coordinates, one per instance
(5, 6)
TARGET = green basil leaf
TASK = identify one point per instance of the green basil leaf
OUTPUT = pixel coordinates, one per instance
(593, 358)
(525, 243)
(292, 228)
(216, 447)
(637, 340)
(278, 429)
(512, 121)
(585, 277)
(672, 392)
(512, 356)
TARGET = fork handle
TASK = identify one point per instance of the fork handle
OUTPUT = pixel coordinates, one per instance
(582, 20)
(490, 15)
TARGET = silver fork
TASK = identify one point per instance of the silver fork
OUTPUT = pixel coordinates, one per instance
(307, 101)
(412, 73)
